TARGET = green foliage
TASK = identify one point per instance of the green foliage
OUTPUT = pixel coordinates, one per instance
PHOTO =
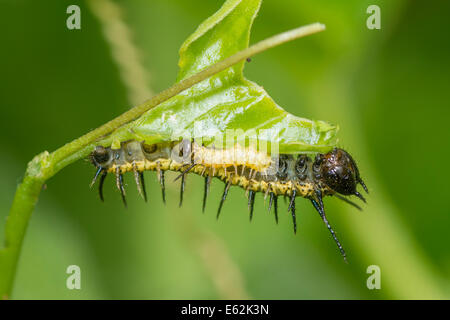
(45, 165)
(384, 88)
(225, 101)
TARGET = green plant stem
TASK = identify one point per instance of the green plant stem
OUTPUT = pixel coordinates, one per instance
(45, 165)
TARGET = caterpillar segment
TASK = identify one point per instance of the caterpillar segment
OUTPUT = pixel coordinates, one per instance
(331, 174)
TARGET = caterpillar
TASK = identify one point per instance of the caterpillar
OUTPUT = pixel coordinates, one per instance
(334, 173)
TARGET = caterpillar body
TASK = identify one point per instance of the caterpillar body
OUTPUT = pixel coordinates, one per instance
(329, 174)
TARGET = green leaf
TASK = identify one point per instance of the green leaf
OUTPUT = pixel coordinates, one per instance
(225, 101)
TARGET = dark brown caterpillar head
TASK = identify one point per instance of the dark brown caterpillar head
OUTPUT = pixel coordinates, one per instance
(100, 156)
(338, 170)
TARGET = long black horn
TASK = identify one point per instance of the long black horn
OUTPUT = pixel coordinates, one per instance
(162, 184)
(183, 180)
(208, 179)
(224, 196)
(100, 185)
(292, 209)
(318, 204)
(138, 178)
(144, 191)
(361, 182)
(119, 184)
(185, 171)
(251, 202)
(359, 195)
(100, 169)
(274, 200)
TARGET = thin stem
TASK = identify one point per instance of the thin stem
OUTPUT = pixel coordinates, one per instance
(45, 165)
(25, 199)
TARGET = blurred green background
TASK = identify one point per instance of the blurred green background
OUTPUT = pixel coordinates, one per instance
(387, 89)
